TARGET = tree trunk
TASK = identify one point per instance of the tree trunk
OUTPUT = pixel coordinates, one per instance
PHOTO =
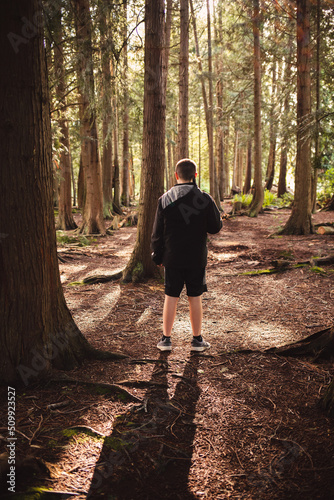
(81, 185)
(125, 170)
(152, 175)
(212, 168)
(258, 195)
(282, 189)
(183, 124)
(65, 216)
(248, 176)
(300, 221)
(107, 120)
(116, 170)
(226, 157)
(235, 187)
(317, 156)
(93, 209)
(37, 330)
(272, 132)
(219, 97)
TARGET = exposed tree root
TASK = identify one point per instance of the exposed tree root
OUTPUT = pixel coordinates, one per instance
(141, 383)
(319, 345)
(106, 388)
(99, 278)
(93, 353)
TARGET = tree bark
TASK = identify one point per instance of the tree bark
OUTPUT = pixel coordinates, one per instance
(93, 209)
(37, 330)
(183, 123)
(65, 216)
(248, 176)
(282, 188)
(272, 131)
(140, 264)
(317, 156)
(107, 119)
(125, 198)
(300, 221)
(212, 168)
(258, 195)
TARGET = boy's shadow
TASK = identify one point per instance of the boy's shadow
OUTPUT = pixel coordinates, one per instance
(148, 455)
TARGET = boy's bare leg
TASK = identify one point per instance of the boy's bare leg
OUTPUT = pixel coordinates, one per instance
(169, 313)
(196, 314)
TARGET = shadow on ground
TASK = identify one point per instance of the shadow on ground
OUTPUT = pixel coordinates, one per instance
(148, 455)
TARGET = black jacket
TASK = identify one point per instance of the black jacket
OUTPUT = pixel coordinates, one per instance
(184, 216)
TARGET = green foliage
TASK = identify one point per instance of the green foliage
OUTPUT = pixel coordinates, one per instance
(319, 270)
(269, 199)
(80, 240)
(285, 201)
(244, 199)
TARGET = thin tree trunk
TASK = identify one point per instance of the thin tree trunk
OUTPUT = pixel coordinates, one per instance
(107, 121)
(212, 169)
(258, 195)
(65, 216)
(125, 177)
(93, 209)
(300, 221)
(183, 124)
(235, 187)
(316, 161)
(168, 28)
(219, 97)
(282, 189)
(208, 118)
(116, 179)
(226, 157)
(81, 185)
(152, 174)
(272, 131)
(248, 176)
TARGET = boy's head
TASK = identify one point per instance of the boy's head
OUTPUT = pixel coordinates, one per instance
(186, 170)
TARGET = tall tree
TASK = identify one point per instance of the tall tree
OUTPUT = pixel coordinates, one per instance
(126, 153)
(272, 129)
(285, 134)
(219, 98)
(300, 221)
(248, 176)
(93, 221)
(153, 163)
(37, 329)
(107, 119)
(258, 194)
(65, 216)
(316, 159)
(183, 123)
(212, 168)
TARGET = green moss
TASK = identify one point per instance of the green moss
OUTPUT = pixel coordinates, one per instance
(316, 269)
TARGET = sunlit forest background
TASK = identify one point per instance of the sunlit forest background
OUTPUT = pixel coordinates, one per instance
(221, 60)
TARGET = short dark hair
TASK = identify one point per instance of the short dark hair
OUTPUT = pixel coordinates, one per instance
(186, 169)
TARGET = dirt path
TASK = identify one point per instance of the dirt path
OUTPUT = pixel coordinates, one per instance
(222, 425)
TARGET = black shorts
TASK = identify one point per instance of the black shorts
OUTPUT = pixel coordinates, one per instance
(194, 278)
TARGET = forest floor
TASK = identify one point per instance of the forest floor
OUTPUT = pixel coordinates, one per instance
(225, 424)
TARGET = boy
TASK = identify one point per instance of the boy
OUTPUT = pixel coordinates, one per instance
(184, 216)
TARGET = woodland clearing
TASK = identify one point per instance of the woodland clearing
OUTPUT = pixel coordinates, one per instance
(231, 423)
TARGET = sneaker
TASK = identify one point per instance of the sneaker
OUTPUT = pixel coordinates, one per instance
(199, 345)
(165, 344)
